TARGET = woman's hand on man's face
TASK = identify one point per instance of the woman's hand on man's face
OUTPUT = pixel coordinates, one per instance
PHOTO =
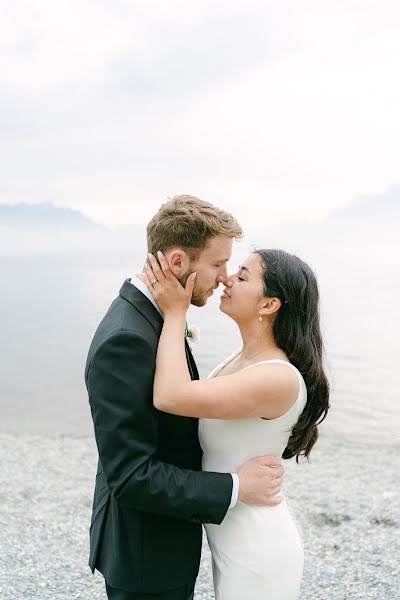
(165, 288)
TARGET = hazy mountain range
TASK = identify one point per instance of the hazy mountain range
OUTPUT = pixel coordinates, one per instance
(383, 208)
(42, 216)
(367, 221)
(44, 228)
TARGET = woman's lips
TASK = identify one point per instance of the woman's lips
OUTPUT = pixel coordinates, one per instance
(225, 294)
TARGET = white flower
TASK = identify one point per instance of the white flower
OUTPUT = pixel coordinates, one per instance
(193, 333)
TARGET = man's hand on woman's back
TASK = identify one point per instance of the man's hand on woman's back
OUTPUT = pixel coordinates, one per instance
(260, 480)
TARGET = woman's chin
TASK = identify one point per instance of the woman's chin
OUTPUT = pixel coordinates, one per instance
(223, 307)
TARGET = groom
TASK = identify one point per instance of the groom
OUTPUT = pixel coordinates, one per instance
(151, 496)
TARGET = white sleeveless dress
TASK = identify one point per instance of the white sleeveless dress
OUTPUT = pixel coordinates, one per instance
(257, 551)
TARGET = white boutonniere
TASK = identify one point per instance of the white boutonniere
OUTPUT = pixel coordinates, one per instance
(192, 333)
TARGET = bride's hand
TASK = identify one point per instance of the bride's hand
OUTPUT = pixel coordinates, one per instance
(166, 289)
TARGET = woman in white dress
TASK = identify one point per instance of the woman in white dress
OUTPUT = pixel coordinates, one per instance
(266, 398)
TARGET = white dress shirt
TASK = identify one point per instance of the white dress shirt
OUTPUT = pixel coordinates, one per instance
(141, 286)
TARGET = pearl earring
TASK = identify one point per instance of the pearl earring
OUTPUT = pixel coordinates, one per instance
(260, 318)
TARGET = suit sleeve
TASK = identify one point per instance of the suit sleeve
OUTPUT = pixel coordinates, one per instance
(120, 385)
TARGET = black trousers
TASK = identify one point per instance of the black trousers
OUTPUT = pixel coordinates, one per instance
(182, 593)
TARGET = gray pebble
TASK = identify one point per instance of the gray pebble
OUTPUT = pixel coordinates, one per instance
(346, 501)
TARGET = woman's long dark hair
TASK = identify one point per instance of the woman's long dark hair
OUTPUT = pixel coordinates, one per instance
(297, 332)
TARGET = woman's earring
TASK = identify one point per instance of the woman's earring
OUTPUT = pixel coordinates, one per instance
(260, 318)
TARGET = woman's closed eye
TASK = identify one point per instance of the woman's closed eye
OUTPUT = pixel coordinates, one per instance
(240, 278)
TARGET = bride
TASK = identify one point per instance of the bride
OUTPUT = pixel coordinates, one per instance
(266, 398)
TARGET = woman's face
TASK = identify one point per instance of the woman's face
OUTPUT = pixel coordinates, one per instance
(243, 300)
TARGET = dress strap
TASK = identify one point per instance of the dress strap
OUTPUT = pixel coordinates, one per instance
(278, 360)
(224, 363)
(273, 360)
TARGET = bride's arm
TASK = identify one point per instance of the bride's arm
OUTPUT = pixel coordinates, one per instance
(266, 390)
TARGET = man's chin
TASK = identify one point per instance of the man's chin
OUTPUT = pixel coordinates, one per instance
(199, 301)
(200, 298)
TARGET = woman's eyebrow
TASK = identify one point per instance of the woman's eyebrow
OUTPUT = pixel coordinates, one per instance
(244, 269)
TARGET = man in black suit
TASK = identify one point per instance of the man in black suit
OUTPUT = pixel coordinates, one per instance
(151, 496)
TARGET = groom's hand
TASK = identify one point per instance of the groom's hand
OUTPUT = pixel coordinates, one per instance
(260, 479)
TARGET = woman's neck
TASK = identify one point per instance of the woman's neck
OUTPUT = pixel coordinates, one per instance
(257, 339)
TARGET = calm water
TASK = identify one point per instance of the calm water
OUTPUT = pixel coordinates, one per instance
(50, 307)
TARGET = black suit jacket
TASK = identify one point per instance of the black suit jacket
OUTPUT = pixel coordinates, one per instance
(150, 496)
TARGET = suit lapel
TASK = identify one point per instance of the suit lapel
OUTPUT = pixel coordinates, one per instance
(130, 293)
(194, 375)
(191, 362)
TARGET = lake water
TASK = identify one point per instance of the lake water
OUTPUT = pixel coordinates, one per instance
(50, 308)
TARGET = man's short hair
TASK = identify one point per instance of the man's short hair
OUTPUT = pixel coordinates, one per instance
(188, 222)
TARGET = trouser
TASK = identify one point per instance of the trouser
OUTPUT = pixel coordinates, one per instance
(185, 592)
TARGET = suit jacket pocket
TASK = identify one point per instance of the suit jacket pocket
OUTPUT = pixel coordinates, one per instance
(96, 528)
(101, 494)
(101, 484)
(99, 506)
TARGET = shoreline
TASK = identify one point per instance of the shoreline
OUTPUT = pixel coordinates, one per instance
(346, 501)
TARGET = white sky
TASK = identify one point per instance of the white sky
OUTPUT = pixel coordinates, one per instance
(280, 111)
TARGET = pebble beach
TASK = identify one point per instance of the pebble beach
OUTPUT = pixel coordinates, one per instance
(346, 500)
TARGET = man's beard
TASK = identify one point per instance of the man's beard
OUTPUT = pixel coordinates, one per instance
(199, 295)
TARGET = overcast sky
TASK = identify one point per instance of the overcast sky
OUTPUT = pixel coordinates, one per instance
(279, 111)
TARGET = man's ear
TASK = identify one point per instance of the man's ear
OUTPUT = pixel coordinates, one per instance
(178, 261)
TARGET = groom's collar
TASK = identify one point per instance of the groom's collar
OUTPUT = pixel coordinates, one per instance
(142, 303)
(141, 286)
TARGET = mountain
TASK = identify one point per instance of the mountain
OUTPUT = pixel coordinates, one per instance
(366, 229)
(382, 209)
(42, 216)
(51, 230)
(362, 235)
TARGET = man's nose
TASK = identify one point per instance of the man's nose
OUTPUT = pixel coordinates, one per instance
(225, 279)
